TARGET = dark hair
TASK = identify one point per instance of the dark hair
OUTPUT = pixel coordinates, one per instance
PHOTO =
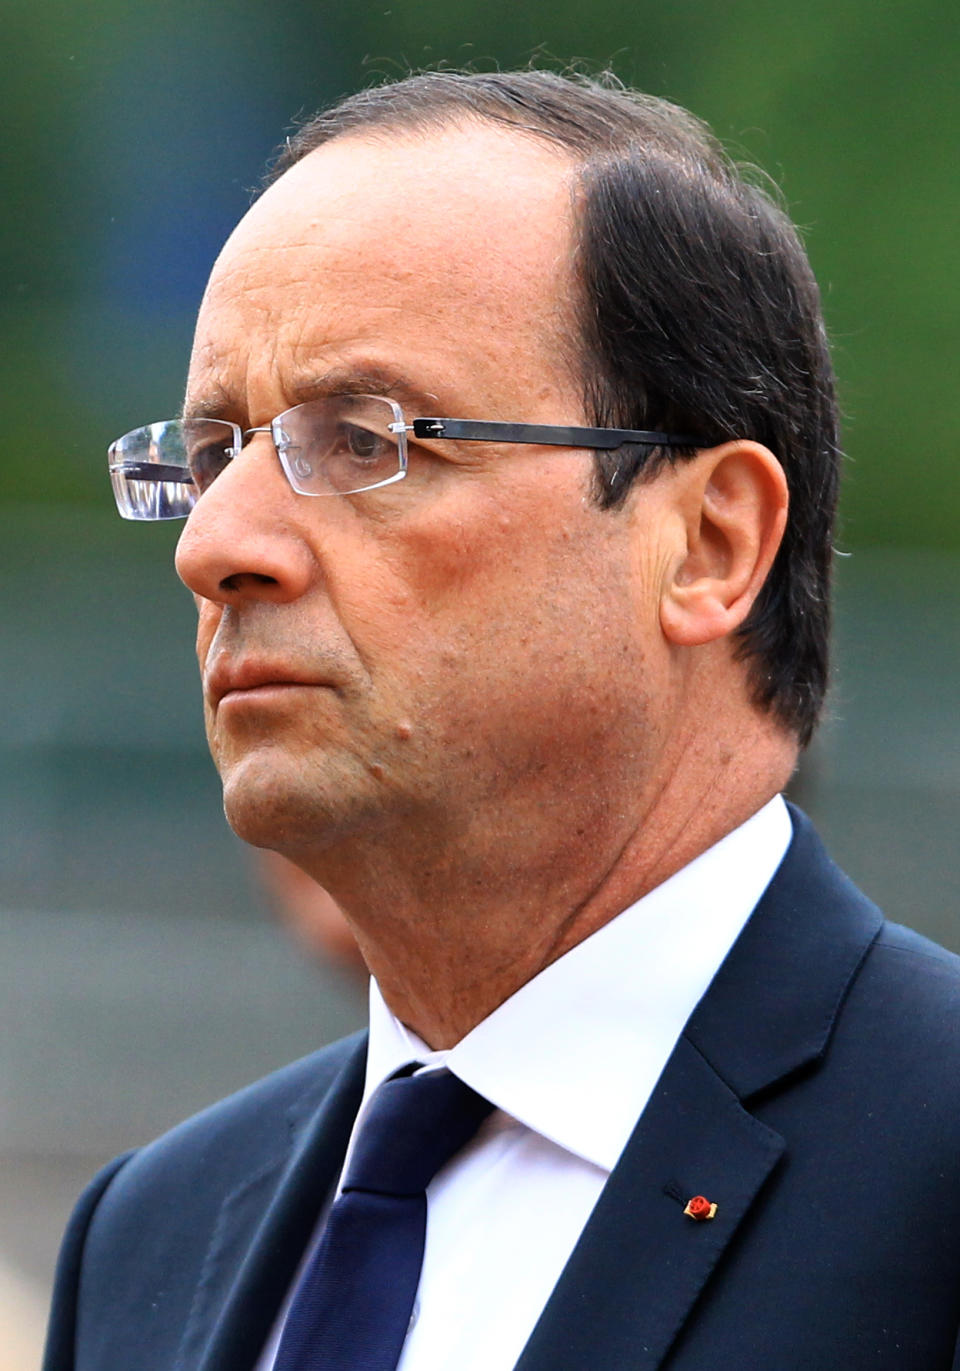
(699, 314)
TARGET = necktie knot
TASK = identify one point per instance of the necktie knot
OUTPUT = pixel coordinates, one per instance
(413, 1125)
(352, 1309)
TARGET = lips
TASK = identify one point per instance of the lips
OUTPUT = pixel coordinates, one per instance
(226, 677)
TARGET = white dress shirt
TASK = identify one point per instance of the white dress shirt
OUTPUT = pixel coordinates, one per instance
(569, 1062)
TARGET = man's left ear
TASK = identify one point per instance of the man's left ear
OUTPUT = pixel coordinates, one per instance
(731, 502)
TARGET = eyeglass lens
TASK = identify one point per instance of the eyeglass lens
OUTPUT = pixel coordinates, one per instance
(338, 445)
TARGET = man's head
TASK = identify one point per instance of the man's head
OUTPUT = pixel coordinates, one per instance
(695, 311)
(503, 660)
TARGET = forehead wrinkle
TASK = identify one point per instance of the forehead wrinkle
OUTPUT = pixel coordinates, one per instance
(363, 379)
(366, 378)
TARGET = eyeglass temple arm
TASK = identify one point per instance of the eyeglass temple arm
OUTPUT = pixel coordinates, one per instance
(552, 435)
(152, 471)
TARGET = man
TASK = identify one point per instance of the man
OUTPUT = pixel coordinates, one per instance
(523, 699)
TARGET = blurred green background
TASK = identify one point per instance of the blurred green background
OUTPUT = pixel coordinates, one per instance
(133, 133)
(138, 977)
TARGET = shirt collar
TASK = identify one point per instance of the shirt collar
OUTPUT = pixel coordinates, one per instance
(576, 1052)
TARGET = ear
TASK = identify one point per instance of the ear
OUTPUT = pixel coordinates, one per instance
(732, 506)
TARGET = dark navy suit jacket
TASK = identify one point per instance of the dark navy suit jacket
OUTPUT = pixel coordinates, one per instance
(814, 1097)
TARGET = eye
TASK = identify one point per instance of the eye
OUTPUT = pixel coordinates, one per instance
(206, 461)
(207, 447)
(365, 444)
(359, 452)
(339, 444)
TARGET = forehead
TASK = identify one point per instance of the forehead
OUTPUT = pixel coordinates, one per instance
(430, 253)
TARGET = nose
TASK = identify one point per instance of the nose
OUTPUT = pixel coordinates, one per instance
(245, 537)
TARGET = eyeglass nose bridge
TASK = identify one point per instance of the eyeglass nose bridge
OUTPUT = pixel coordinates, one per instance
(282, 442)
(245, 433)
(280, 439)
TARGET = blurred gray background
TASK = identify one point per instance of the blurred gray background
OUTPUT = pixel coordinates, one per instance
(141, 975)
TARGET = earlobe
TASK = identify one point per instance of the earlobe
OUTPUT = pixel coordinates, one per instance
(732, 506)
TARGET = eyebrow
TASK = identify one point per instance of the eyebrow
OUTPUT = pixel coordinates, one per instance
(363, 380)
(217, 405)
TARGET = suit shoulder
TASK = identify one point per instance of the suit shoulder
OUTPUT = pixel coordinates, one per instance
(267, 1105)
(249, 1129)
(897, 938)
(906, 1003)
(908, 957)
(139, 1246)
(61, 1330)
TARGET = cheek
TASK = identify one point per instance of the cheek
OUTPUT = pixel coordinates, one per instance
(485, 603)
(435, 586)
(482, 544)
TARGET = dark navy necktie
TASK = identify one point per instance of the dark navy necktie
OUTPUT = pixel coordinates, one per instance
(352, 1308)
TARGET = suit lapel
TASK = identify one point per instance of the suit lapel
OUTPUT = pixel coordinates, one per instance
(774, 1003)
(263, 1229)
(641, 1264)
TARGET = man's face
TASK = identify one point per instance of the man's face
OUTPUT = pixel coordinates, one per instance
(464, 661)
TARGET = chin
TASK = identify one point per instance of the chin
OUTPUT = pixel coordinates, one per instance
(288, 808)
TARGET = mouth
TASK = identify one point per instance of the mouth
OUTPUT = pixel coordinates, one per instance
(249, 680)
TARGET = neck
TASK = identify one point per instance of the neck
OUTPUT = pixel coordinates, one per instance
(453, 931)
